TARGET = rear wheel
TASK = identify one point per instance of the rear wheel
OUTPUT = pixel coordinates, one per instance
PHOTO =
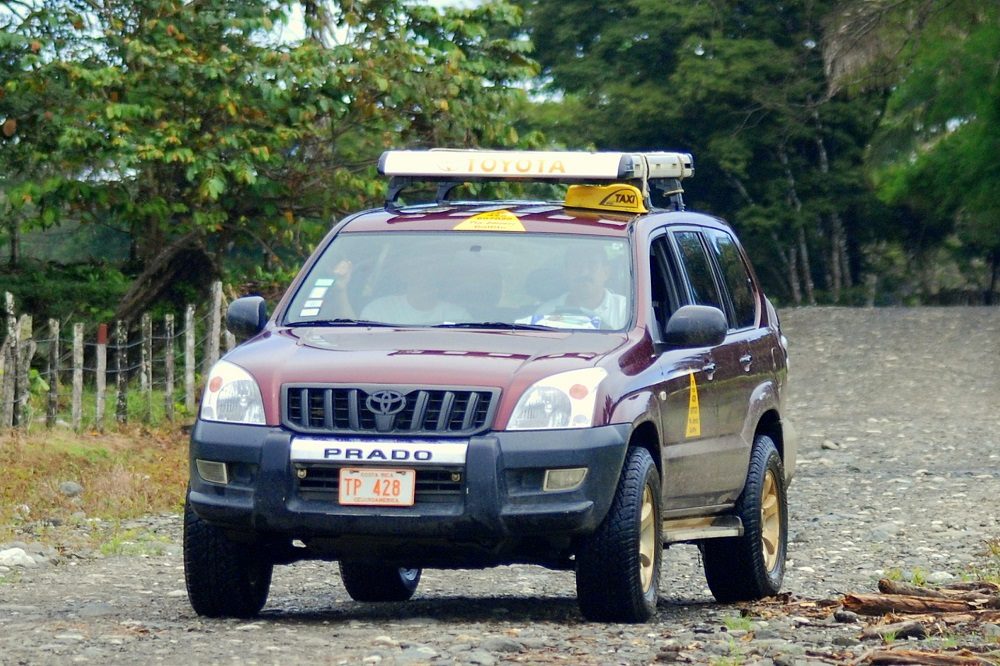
(223, 578)
(367, 581)
(618, 567)
(753, 566)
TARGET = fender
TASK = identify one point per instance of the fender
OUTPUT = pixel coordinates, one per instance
(637, 409)
(764, 398)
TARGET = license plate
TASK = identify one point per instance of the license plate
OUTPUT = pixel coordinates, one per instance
(377, 486)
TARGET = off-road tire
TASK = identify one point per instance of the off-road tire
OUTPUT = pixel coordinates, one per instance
(736, 567)
(366, 581)
(609, 585)
(223, 578)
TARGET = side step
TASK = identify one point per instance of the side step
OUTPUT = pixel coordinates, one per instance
(678, 530)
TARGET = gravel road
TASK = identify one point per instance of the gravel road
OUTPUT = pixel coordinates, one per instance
(899, 469)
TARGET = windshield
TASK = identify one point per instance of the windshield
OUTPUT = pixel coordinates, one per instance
(492, 280)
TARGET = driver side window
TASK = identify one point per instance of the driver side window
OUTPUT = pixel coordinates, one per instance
(663, 281)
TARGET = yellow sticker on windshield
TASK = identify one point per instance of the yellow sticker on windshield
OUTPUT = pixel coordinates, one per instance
(493, 220)
(694, 412)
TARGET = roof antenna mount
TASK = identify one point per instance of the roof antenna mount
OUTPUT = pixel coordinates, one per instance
(671, 190)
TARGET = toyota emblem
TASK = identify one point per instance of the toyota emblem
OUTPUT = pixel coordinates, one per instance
(385, 403)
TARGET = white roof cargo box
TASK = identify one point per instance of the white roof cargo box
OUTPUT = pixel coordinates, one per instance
(565, 166)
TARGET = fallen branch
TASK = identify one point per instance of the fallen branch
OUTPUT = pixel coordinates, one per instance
(977, 616)
(890, 657)
(887, 586)
(880, 604)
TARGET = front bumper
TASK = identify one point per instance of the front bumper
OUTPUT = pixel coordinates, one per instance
(500, 499)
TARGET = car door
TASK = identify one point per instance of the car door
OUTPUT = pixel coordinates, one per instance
(686, 393)
(744, 314)
(711, 467)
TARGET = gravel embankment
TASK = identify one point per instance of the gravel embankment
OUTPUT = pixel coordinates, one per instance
(899, 468)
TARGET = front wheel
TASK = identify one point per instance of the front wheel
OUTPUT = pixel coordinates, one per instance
(618, 566)
(366, 581)
(223, 578)
(753, 566)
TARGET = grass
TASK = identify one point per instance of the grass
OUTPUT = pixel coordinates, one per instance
(990, 570)
(136, 407)
(125, 474)
(133, 542)
(737, 623)
(736, 656)
(917, 576)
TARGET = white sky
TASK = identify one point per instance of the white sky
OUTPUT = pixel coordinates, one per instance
(295, 29)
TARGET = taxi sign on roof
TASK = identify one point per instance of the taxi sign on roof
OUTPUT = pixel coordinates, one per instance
(534, 165)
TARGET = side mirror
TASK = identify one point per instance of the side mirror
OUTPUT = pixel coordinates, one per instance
(695, 326)
(247, 316)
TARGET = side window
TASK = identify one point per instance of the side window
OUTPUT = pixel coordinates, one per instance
(698, 269)
(737, 277)
(663, 281)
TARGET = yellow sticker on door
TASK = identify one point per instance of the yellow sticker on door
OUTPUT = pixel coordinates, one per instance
(694, 412)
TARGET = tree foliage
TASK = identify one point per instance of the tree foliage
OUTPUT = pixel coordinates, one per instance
(742, 86)
(837, 136)
(195, 128)
(936, 148)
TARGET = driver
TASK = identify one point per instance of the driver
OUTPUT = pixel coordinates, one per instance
(587, 271)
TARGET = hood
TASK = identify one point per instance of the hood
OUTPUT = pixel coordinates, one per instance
(508, 360)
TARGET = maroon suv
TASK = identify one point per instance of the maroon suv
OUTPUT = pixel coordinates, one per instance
(461, 384)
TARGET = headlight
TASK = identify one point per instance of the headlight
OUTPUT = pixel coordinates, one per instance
(565, 400)
(232, 395)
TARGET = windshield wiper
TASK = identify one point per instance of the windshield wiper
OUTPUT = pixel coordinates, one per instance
(496, 325)
(337, 322)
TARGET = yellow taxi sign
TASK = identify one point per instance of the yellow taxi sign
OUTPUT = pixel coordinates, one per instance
(619, 198)
(493, 220)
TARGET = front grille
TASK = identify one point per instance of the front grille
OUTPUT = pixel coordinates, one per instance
(332, 409)
(433, 485)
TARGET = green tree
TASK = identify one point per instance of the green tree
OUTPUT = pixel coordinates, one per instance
(194, 128)
(742, 86)
(935, 150)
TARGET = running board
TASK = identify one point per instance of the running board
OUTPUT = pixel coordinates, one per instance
(695, 529)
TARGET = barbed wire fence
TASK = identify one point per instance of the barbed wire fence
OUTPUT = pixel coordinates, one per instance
(114, 370)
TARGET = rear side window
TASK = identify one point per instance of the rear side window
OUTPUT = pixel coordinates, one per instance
(737, 277)
(698, 269)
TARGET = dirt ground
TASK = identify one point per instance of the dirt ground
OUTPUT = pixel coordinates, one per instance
(898, 411)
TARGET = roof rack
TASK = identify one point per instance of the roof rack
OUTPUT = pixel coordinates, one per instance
(450, 168)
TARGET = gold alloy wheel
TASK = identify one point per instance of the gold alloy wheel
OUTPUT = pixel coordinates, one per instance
(770, 521)
(647, 539)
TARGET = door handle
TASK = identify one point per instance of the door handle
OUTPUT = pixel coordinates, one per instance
(709, 369)
(746, 360)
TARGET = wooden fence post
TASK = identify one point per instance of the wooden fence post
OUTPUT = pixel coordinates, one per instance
(121, 378)
(168, 369)
(214, 329)
(8, 381)
(52, 408)
(146, 370)
(189, 359)
(77, 412)
(102, 375)
(26, 349)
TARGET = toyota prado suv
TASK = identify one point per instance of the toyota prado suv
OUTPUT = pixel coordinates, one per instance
(574, 383)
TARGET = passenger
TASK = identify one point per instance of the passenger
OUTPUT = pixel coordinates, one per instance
(418, 303)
